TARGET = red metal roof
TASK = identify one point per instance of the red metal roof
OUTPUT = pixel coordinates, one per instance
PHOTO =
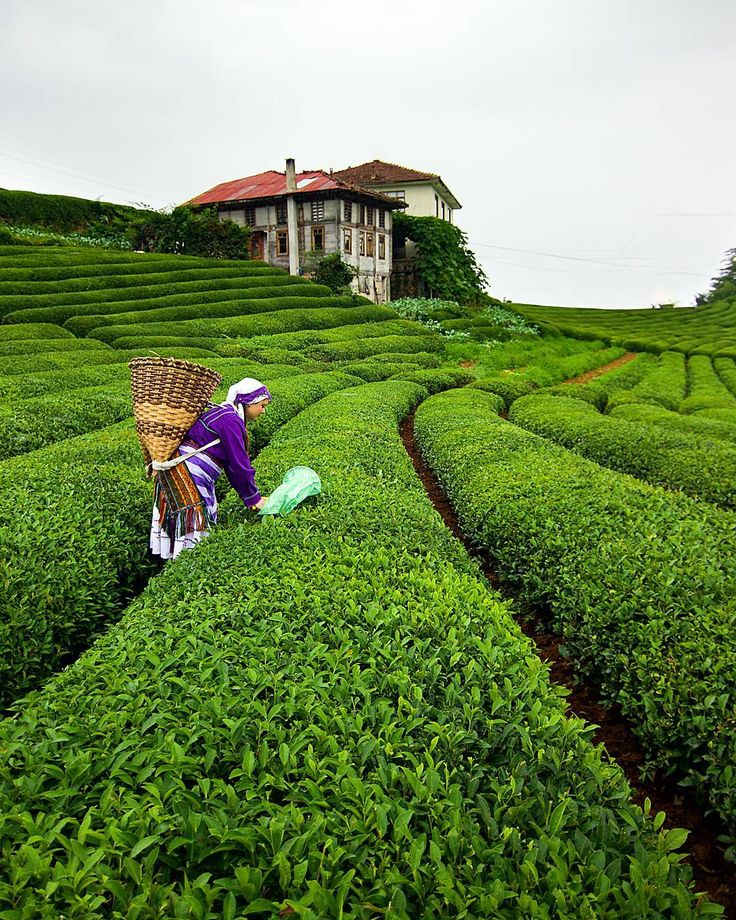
(273, 184)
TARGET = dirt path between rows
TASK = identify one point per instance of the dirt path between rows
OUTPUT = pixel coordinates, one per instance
(711, 872)
(599, 371)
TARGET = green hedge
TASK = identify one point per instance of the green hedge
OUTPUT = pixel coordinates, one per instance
(673, 421)
(224, 348)
(54, 346)
(702, 329)
(61, 212)
(261, 300)
(343, 722)
(638, 580)
(310, 337)
(61, 308)
(169, 278)
(434, 381)
(68, 566)
(726, 370)
(34, 423)
(28, 386)
(356, 350)
(148, 264)
(34, 364)
(698, 466)
(590, 393)
(664, 383)
(338, 313)
(33, 331)
(705, 390)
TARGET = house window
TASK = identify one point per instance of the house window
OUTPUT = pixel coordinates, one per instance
(282, 243)
(250, 217)
(436, 206)
(369, 244)
(348, 211)
(318, 210)
(362, 214)
(281, 213)
(318, 239)
(381, 218)
(449, 214)
(401, 195)
(381, 246)
(369, 216)
(443, 210)
(347, 240)
(361, 250)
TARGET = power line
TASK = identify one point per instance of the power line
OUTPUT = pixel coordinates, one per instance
(88, 177)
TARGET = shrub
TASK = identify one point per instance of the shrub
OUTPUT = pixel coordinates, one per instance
(188, 232)
(355, 350)
(334, 313)
(258, 301)
(675, 460)
(638, 580)
(69, 566)
(434, 381)
(33, 331)
(293, 735)
(331, 271)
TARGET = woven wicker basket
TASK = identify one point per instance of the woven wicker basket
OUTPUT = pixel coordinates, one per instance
(168, 398)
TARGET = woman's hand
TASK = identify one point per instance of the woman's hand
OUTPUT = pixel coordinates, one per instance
(258, 504)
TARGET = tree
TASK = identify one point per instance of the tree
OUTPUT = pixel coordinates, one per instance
(444, 261)
(189, 232)
(724, 284)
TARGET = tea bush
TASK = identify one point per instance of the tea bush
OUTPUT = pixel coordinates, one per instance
(53, 346)
(61, 308)
(673, 421)
(258, 300)
(726, 370)
(705, 389)
(67, 567)
(339, 313)
(663, 383)
(33, 331)
(33, 364)
(696, 465)
(363, 348)
(343, 721)
(639, 581)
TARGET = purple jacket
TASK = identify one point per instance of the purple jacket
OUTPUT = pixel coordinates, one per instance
(223, 422)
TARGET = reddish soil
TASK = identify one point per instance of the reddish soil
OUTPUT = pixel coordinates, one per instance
(711, 873)
(468, 363)
(599, 371)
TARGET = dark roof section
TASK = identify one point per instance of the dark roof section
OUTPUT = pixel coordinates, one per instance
(272, 184)
(378, 172)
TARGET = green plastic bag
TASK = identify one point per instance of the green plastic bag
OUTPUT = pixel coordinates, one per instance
(299, 483)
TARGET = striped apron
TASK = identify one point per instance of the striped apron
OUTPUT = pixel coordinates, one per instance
(184, 505)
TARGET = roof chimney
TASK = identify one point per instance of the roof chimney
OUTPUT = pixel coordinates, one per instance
(290, 176)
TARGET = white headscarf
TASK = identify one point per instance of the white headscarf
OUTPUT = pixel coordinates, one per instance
(247, 392)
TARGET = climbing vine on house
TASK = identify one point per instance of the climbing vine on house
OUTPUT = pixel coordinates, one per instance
(444, 262)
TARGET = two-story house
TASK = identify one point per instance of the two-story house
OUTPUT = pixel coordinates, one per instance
(425, 195)
(293, 216)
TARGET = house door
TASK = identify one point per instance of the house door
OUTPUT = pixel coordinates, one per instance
(258, 245)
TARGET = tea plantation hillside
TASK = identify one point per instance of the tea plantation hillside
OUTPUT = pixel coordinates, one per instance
(333, 714)
(709, 329)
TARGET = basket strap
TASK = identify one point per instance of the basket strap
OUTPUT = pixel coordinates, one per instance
(168, 464)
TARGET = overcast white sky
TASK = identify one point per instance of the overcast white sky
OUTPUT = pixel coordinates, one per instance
(591, 142)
